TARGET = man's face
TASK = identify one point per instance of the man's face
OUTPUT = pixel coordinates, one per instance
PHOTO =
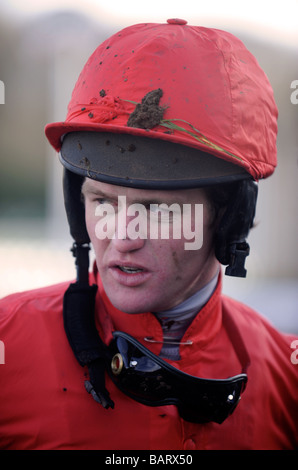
(140, 270)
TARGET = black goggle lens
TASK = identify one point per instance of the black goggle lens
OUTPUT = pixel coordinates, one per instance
(150, 380)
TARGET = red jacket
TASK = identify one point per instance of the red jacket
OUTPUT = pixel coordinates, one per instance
(44, 405)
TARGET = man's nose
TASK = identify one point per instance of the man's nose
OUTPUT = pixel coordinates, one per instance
(128, 235)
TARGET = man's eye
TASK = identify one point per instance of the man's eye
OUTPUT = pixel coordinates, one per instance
(165, 211)
(154, 208)
(101, 200)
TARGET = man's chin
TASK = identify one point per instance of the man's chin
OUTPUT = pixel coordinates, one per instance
(127, 303)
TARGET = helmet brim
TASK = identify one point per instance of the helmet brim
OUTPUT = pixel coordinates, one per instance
(143, 162)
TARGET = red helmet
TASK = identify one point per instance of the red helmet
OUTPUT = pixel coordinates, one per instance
(177, 83)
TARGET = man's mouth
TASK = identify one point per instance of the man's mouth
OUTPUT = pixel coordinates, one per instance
(129, 274)
(130, 269)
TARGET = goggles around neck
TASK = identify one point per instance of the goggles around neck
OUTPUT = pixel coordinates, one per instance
(150, 380)
(142, 375)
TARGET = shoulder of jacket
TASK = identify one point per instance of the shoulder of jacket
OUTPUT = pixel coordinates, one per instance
(47, 295)
(257, 329)
(242, 313)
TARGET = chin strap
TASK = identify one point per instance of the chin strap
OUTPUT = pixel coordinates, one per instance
(79, 324)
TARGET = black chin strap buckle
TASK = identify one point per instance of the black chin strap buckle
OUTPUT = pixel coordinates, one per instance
(238, 254)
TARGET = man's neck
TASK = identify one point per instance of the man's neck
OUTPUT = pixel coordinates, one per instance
(174, 322)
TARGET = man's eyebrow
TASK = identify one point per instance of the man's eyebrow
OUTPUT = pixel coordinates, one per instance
(155, 201)
(143, 200)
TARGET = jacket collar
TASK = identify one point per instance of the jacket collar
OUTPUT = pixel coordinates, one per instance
(146, 328)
